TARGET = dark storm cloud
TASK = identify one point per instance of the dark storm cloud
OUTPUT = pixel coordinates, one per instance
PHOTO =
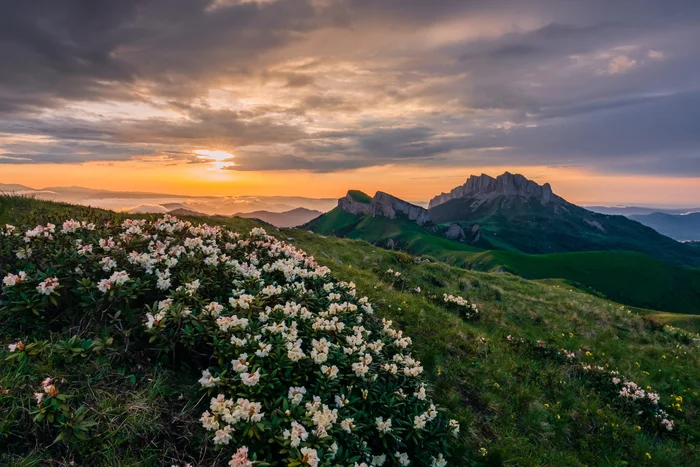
(330, 85)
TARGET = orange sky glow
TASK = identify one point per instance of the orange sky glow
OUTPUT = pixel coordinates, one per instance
(416, 183)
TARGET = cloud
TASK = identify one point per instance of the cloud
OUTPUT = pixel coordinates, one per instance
(621, 64)
(325, 86)
(656, 55)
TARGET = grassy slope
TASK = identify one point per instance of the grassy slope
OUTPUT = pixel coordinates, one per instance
(521, 409)
(406, 235)
(150, 409)
(635, 279)
(627, 277)
(500, 394)
(360, 197)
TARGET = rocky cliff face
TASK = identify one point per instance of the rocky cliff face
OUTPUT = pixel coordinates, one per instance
(349, 204)
(386, 205)
(485, 187)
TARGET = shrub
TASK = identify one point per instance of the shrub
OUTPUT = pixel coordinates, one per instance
(297, 369)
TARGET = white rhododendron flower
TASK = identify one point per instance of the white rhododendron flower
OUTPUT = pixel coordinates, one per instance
(310, 457)
(297, 433)
(207, 380)
(250, 379)
(298, 355)
(402, 458)
(439, 461)
(384, 426)
(296, 394)
(48, 286)
(240, 458)
(12, 280)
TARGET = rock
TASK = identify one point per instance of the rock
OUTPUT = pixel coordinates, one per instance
(349, 204)
(455, 232)
(390, 244)
(476, 233)
(386, 205)
(486, 187)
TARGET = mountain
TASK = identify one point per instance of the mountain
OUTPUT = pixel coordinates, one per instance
(13, 188)
(148, 209)
(290, 218)
(141, 201)
(382, 204)
(639, 210)
(511, 224)
(484, 189)
(510, 212)
(186, 212)
(680, 227)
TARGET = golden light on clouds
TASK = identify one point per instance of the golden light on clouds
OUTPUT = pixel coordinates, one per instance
(218, 160)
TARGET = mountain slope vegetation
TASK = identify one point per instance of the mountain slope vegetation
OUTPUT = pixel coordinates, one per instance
(499, 372)
(513, 224)
(535, 224)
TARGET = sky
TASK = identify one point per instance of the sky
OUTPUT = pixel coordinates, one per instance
(289, 97)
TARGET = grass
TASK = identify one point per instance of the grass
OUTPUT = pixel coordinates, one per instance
(515, 408)
(501, 395)
(632, 278)
(360, 196)
(627, 277)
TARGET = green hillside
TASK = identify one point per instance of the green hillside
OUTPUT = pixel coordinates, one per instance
(627, 277)
(499, 372)
(360, 196)
(631, 278)
(529, 226)
(401, 232)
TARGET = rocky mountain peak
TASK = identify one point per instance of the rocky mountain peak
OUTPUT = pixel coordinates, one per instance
(382, 204)
(486, 187)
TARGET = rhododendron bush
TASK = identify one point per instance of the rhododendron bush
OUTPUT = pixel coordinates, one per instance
(296, 368)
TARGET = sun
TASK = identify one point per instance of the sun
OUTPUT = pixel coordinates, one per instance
(219, 160)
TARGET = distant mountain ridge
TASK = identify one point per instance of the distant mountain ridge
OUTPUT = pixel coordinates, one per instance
(292, 218)
(143, 202)
(683, 227)
(639, 210)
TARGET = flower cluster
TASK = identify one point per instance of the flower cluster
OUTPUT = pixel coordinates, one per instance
(303, 371)
(47, 389)
(611, 383)
(394, 278)
(631, 391)
(468, 309)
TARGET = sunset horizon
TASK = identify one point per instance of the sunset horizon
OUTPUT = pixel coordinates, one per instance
(260, 97)
(350, 233)
(577, 186)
